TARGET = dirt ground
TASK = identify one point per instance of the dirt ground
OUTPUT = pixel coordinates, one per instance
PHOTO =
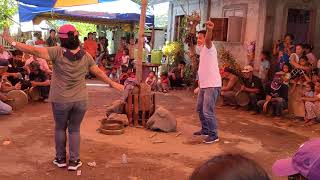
(31, 149)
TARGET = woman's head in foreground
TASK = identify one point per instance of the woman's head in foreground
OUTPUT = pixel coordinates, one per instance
(229, 167)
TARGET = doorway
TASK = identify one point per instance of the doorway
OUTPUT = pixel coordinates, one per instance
(299, 24)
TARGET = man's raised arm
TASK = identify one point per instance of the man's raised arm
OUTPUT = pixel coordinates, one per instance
(209, 34)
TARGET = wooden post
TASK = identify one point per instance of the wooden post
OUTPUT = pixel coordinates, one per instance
(141, 39)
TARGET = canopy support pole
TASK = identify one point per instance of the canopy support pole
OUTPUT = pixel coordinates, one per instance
(144, 4)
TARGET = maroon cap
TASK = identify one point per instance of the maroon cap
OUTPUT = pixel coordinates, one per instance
(63, 31)
(306, 162)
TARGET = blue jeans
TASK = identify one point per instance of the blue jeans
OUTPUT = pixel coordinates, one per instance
(68, 115)
(206, 108)
(5, 109)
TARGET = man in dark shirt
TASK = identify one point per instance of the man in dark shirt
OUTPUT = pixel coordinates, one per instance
(277, 96)
(52, 40)
(253, 86)
(176, 75)
(39, 79)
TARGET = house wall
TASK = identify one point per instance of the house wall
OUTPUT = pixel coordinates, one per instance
(254, 27)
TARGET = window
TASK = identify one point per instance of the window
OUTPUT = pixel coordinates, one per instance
(231, 27)
(179, 30)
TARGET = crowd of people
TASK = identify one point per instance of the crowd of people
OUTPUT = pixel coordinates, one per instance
(270, 86)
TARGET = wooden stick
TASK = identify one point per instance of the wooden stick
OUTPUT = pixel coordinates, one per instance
(141, 38)
(130, 105)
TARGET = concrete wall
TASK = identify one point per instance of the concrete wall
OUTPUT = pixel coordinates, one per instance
(254, 28)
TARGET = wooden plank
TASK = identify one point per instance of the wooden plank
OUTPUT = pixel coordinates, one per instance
(136, 109)
(129, 106)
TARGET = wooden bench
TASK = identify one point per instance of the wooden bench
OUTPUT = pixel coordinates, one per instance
(140, 105)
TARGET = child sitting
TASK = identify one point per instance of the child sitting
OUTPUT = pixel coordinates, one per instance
(286, 70)
(299, 74)
(163, 84)
(124, 75)
(125, 58)
(114, 75)
(309, 90)
(152, 80)
(312, 104)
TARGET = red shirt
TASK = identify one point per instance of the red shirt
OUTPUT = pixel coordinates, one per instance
(91, 47)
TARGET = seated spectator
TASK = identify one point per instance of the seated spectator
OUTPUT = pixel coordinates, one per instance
(312, 105)
(124, 74)
(312, 59)
(163, 84)
(39, 80)
(43, 64)
(6, 85)
(152, 80)
(276, 95)
(229, 167)
(4, 54)
(39, 41)
(229, 89)
(296, 57)
(253, 86)
(176, 75)
(125, 58)
(286, 71)
(108, 71)
(300, 72)
(118, 57)
(114, 75)
(264, 66)
(305, 164)
(286, 46)
(5, 109)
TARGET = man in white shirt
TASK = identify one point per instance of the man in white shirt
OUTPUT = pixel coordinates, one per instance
(210, 85)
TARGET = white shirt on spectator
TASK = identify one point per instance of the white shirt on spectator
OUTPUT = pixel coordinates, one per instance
(209, 73)
(5, 55)
(43, 64)
(263, 69)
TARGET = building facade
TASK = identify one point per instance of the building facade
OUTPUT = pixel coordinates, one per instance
(241, 22)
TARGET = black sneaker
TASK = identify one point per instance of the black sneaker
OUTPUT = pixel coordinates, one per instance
(211, 140)
(74, 165)
(61, 163)
(199, 133)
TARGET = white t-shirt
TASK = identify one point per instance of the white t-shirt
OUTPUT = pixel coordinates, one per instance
(209, 73)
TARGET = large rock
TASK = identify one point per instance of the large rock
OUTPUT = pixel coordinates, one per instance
(119, 117)
(162, 120)
(116, 107)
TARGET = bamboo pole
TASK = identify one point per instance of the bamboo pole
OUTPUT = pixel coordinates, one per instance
(141, 39)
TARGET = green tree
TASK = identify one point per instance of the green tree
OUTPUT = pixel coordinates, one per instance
(7, 9)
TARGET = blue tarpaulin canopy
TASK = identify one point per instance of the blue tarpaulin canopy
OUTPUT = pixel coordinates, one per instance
(83, 10)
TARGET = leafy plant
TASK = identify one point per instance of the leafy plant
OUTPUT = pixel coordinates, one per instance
(7, 9)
